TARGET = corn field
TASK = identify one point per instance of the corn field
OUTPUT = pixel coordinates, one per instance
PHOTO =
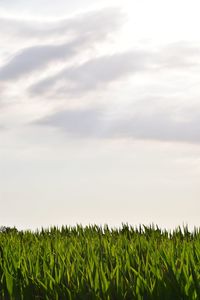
(95, 262)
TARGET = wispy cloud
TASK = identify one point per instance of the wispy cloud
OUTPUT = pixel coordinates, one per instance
(87, 30)
(96, 123)
(36, 58)
(103, 21)
(178, 56)
(94, 73)
(102, 70)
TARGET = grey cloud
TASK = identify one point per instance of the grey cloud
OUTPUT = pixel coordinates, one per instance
(104, 21)
(103, 70)
(160, 126)
(34, 58)
(88, 28)
(94, 123)
(79, 123)
(92, 74)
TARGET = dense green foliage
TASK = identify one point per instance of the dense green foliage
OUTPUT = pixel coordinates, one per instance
(100, 263)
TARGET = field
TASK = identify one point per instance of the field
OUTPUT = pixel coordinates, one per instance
(100, 263)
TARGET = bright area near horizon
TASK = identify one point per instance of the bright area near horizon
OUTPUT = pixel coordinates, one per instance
(100, 113)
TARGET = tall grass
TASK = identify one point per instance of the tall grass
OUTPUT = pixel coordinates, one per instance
(100, 263)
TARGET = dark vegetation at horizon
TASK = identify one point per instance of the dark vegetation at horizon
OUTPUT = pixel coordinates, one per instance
(96, 262)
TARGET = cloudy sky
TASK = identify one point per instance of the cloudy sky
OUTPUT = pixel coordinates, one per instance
(99, 112)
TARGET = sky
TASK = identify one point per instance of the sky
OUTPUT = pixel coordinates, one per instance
(99, 113)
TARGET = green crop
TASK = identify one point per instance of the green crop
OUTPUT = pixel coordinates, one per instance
(100, 263)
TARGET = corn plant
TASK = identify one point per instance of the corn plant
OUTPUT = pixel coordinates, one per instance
(95, 262)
